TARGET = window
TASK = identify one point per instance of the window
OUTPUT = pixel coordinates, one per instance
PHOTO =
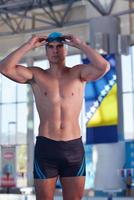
(13, 123)
(128, 94)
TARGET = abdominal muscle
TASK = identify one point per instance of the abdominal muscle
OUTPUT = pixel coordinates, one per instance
(59, 120)
(59, 130)
(59, 101)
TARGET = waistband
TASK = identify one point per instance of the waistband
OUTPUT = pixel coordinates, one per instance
(43, 138)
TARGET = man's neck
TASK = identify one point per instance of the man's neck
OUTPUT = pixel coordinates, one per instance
(57, 69)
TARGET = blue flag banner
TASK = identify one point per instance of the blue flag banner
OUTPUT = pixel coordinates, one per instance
(101, 106)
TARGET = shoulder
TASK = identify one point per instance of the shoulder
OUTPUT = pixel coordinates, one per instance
(78, 67)
(35, 69)
(76, 70)
(37, 73)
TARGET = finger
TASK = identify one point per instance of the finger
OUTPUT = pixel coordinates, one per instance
(68, 43)
(43, 43)
(42, 38)
(68, 37)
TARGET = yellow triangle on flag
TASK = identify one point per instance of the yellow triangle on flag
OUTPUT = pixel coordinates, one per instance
(107, 113)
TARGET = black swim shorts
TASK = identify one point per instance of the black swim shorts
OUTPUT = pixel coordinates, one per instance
(58, 158)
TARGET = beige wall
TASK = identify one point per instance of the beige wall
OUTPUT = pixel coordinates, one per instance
(9, 43)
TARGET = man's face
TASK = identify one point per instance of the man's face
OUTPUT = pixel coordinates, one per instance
(56, 52)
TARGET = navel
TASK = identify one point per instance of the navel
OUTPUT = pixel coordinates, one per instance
(72, 94)
(45, 93)
(61, 126)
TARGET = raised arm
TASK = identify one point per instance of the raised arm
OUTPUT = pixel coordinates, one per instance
(98, 66)
(10, 67)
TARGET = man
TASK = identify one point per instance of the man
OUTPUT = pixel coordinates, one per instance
(58, 94)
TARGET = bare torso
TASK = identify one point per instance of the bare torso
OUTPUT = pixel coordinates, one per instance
(58, 100)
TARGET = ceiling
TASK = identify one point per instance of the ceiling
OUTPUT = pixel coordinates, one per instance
(16, 15)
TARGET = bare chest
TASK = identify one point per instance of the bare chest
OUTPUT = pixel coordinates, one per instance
(58, 88)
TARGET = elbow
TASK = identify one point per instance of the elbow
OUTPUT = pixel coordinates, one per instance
(5, 67)
(1, 68)
(106, 67)
(4, 70)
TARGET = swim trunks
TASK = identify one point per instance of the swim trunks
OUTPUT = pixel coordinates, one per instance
(58, 158)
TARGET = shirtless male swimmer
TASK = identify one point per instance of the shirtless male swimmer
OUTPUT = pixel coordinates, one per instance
(58, 93)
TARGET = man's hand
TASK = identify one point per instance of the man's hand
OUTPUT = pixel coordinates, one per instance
(37, 41)
(72, 41)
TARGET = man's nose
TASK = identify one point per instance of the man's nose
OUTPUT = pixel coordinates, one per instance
(55, 49)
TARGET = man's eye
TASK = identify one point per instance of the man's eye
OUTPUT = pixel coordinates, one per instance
(50, 46)
(60, 46)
